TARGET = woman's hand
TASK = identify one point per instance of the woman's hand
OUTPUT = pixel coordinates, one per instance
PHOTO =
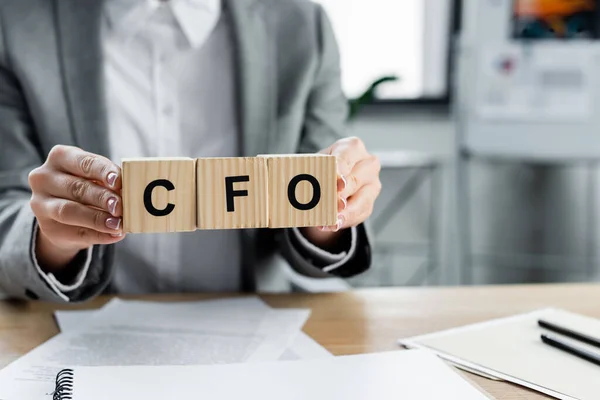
(75, 198)
(358, 188)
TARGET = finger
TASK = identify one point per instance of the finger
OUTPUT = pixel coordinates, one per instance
(85, 192)
(360, 207)
(365, 172)
(75, 161)
(342, 204)
(68, 212)
(348, 151)
(82, 237)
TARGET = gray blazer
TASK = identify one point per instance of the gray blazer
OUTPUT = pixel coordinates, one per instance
(51, 93)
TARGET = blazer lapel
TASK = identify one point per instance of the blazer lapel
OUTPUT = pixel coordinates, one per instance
(81, 55)
(256, 75)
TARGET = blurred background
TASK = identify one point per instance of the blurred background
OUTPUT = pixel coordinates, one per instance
(485, 116)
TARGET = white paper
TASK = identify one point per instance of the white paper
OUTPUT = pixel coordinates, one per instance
(415, 375)
(140, 333)
(72, 320)
(468, 347)
(303, 347)
(541, 83)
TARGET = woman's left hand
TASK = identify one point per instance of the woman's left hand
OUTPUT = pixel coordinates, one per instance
(358, 188)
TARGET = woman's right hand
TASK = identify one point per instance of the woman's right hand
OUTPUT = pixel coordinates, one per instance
(76, 200)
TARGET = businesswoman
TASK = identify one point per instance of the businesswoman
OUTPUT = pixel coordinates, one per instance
(85, 83)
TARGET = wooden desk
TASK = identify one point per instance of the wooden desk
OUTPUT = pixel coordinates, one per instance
(362, 321)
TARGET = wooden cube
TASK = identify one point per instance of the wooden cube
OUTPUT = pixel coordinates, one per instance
(159, 195)
(302, 190)
(232, 193)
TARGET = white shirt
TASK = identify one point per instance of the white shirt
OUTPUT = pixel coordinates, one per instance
(170, 92)
(169, 80)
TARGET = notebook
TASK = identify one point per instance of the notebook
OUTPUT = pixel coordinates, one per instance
(407, 375)
(511, 349)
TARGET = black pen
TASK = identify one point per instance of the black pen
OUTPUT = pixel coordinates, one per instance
(570, 333)
(571, 348)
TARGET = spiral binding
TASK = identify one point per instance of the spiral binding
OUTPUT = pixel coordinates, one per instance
(64, 385)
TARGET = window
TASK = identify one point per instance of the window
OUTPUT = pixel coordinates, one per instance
(404, 38)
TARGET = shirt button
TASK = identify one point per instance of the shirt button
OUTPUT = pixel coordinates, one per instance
(168, 111)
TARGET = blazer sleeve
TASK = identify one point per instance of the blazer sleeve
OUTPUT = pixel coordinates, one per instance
(20, 153)
(324, 123)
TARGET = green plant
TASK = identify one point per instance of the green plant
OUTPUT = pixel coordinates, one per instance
(368, 96)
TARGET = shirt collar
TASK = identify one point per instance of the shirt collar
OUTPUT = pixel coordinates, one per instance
(196, 18)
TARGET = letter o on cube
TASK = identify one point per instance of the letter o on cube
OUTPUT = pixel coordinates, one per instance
(302, 190)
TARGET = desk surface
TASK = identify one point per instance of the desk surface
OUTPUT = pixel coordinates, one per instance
(355, 322)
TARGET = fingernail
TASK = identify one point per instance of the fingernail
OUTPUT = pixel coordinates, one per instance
(340, 223)
(345, 203)
(113, 223)
(344, 184)
(112, 205)
(111, 179)
(116, 235)
(323, 228)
